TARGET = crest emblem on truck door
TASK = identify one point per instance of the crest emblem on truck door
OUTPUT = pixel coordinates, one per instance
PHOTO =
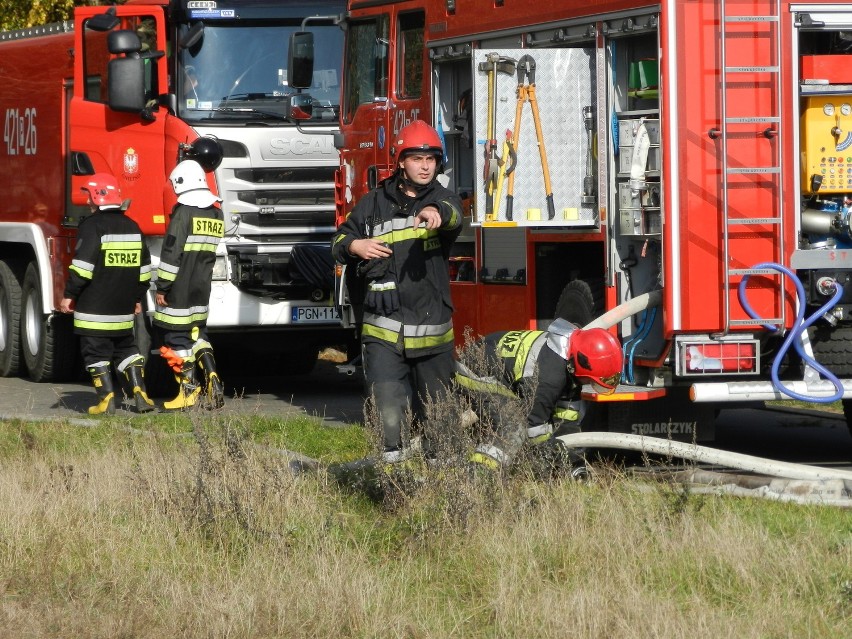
(131, 163)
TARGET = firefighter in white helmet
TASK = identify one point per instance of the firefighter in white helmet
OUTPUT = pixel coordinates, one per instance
(541, 367)
(184, 280)
(399, 237)
(108, 276)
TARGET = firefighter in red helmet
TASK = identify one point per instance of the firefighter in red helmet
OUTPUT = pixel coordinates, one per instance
(399, 237)
(109, 274)
(541, 367)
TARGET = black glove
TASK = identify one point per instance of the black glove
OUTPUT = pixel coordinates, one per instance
(373, 269)
(382, 298)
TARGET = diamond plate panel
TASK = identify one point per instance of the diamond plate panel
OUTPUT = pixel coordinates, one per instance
(564, 84)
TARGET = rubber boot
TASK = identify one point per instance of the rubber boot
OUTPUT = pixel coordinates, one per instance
(102, 380)
(135, 376)
(188, 390)
(213, 386)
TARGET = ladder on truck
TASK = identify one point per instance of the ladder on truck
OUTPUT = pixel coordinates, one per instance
(764, 28)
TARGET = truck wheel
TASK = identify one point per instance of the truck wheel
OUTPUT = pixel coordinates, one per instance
(833, 348)
(47, 341)
(847, 413)
(159, 378)
(581, 301)
(10, 320)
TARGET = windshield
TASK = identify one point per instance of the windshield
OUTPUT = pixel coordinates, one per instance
(240, 71)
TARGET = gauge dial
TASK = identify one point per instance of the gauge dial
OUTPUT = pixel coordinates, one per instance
(828, 108)
(846, 109)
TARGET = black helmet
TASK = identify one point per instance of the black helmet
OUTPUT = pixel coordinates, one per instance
(207, 152)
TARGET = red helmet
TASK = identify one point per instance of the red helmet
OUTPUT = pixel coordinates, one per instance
(597, 358)
(103, 189)
(417, 136)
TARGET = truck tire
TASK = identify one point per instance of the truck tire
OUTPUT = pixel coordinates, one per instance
(159, 378)
(581, 301)
(47, 341)
(10, 319)
(833, 348)
(847, 413)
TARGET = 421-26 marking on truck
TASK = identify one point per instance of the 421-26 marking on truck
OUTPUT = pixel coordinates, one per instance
(19, 131)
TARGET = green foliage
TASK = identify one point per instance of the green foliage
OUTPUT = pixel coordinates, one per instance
(19, 14)
(302, 433)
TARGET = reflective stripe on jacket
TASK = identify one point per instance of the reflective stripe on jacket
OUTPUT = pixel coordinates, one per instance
(108, 275)
(517, 360)
(185, 272)
(422, 324)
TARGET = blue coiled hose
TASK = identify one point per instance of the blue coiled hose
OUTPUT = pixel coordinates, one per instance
(796, 331)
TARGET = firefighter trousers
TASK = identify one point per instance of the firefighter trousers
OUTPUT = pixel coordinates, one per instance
(112, 349)
(399, 384)
(185, 343)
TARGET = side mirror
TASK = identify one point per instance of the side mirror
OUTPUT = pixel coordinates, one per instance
(192, 37)
(106, 21)
(300, 60)
(300, 107)
(126, 84)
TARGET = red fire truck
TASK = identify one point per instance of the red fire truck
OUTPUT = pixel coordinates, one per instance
(130, 91)
(683, 167)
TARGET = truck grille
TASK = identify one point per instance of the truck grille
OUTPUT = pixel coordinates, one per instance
(304, 197)
(286, 175)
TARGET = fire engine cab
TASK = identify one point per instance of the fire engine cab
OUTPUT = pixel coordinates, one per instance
(677, 172)
(133, 89)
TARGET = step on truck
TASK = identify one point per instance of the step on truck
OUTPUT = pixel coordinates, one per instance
(681, 170)
(133, 89)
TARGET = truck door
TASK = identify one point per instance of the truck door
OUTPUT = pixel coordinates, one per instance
(385, 88)
(128, 144)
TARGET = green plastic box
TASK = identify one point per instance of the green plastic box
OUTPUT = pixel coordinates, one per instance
(643, 79)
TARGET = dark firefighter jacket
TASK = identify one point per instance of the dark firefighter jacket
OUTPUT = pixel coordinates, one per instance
(514, 357)
(109, 274)
(186, 266)
(422, 325)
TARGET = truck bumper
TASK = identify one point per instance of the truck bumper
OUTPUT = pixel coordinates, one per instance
(231, 308)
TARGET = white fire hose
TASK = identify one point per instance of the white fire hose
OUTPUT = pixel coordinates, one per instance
(627, 309)
(702, 454)
(685, 450)
(834, 487)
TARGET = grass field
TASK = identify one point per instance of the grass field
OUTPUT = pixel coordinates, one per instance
(193, 526)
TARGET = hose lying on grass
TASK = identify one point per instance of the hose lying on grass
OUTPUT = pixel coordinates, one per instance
(706, 455)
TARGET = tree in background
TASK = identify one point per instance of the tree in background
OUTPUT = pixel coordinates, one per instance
(18, 14)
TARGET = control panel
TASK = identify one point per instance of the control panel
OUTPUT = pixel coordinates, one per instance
(827, 144)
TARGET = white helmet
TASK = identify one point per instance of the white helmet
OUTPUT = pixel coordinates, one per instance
(190, 185)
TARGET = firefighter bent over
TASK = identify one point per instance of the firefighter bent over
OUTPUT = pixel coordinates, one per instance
(108, 276)
(549, 364)
(399, 238)
(184, 280)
